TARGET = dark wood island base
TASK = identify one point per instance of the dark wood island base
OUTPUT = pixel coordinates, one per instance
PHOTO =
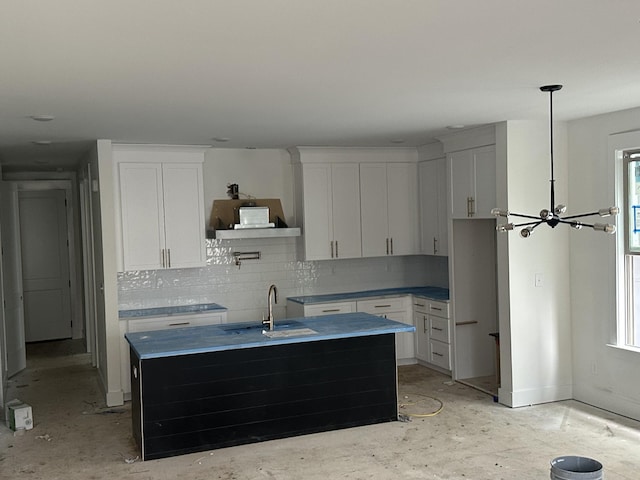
(203, 401)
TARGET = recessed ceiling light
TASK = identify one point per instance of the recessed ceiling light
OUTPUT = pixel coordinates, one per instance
(398, 140)
(42, 118)
(455, 127)
(221, 139)
(42, 142)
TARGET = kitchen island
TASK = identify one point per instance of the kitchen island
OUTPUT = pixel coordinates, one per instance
(215, 386)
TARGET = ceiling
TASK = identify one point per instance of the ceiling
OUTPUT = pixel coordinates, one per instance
(277, 73)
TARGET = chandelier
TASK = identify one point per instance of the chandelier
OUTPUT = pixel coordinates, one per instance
(554, 214)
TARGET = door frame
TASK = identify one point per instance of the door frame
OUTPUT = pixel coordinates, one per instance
(75, 275)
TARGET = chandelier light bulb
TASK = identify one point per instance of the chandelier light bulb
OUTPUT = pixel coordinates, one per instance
(560, 209)
(605, 212)
(496, 212)
(505, 227)
(604, 227)
(576, 225)
(546, 214)
(526, 232)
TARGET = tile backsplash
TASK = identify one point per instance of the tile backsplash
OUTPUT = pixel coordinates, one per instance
(243, 289)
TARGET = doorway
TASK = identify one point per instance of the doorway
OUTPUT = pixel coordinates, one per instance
(45, 265)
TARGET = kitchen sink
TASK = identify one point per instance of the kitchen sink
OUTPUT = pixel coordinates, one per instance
(284, 326)
(293, 332)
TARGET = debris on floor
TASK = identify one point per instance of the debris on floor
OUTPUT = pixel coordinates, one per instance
(46, 437)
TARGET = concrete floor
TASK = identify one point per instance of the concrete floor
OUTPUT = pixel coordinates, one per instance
(77, 437)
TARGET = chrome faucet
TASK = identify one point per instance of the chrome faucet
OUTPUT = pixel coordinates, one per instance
(273, 291)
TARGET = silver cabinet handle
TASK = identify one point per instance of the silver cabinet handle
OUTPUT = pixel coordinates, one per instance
(381, 306)
(162, 258)
(438, 354)
(387, 246)
(331, 248)
(435, 308)
(419, 304)
(435, 245)
(437, 329)
(169, 257)
(391, 245)
(179, 324)
(331, 310)
(337, 249)
(424, 324)
(471, 207)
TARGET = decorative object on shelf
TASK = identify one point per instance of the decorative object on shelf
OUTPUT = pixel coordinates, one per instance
(552, 216)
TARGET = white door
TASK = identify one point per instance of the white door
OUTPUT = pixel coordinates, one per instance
(373, 193)
(184, 215)
(485, 172)
(318, 221)
(45, 265)
(345, 188)
(15, 353)
(142, 216)
(402, 194)
(462, 183)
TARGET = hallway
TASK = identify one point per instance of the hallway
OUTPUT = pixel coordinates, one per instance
(76, 437)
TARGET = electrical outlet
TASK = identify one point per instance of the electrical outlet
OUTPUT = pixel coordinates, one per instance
(538, 280)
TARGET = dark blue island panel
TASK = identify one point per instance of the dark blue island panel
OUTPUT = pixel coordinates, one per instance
(191, 402)
(212, 400)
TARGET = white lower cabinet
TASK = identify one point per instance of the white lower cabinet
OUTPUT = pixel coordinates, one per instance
(147, 324)
(397, 309)
(433, 332)
(296, 310)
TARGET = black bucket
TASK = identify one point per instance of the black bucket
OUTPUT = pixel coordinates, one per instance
(576, 468)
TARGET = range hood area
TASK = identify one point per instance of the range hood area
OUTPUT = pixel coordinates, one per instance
(226, 222)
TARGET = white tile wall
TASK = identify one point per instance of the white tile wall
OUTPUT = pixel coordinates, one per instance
(243, 290)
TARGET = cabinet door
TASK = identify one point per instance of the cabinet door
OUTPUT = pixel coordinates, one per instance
(402, 200)
(141, 203)
(485, 184)
(345, 188)
(405, 341)
(184, 215)
(318, 215)
(373, 198)
(461, 166)
(422, 336)
(433, 208)
(442, 243)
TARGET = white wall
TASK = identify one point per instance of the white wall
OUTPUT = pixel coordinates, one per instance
(535, 323)
(604, 376)
(108, 333)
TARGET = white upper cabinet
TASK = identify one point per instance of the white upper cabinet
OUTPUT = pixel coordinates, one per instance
(433, 207)
(389, 213)
(161, 214)
(331, 207)
(473, 182)
(356, 202)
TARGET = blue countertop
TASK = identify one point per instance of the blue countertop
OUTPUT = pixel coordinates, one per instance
(168, 311)
(234, 336)
(433, 293)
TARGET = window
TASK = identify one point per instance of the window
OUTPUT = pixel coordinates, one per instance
(631, 325)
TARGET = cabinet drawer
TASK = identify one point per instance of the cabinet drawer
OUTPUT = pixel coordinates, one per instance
(382, 305)
(440, 309)
(175, 321)
(433, 307)
(439, 329)
(329, 309)
(440, 354)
